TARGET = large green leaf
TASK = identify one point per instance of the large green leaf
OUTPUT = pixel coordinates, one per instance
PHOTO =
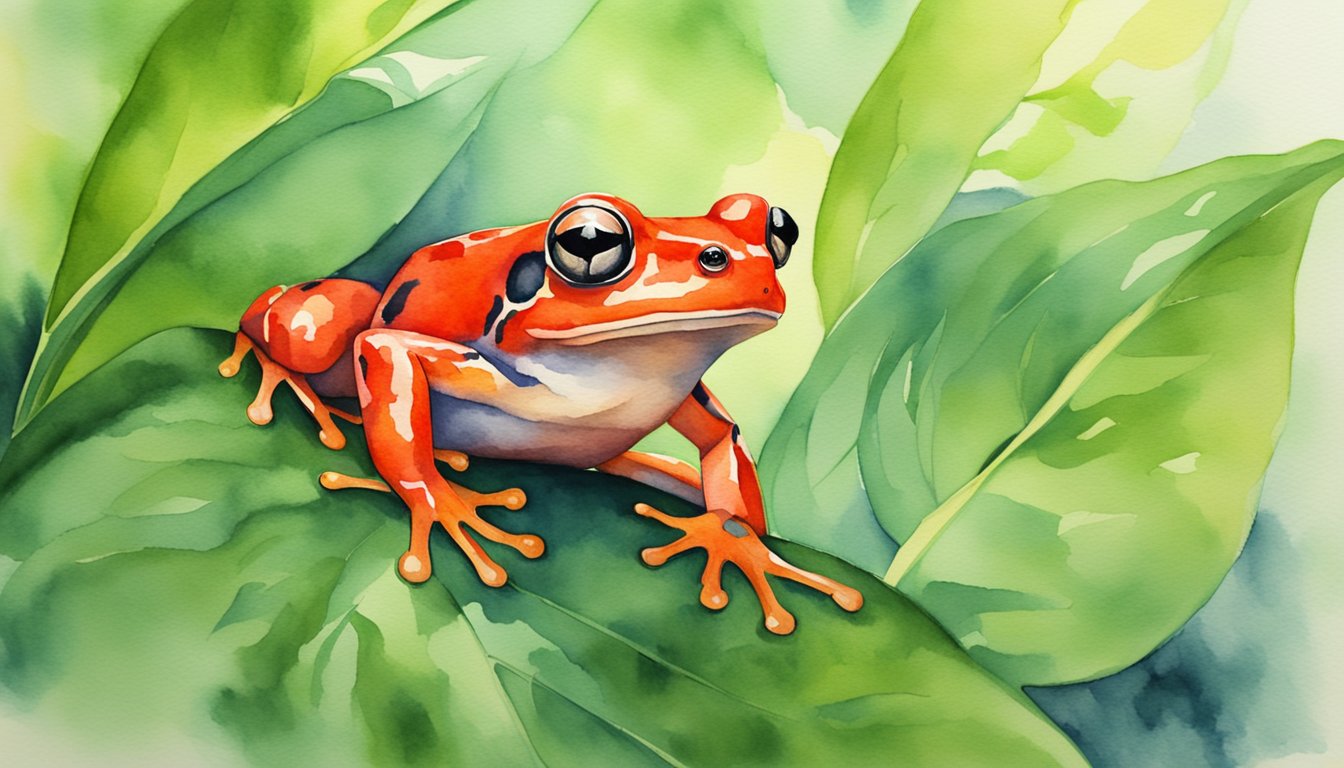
(219, 74)
(180, 572)
(968, 346)
(959, 72)
(1143, 471)
(158, 146)
(1117, 91)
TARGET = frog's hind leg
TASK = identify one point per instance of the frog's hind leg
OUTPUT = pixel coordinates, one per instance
(304, 331)
(272, 374)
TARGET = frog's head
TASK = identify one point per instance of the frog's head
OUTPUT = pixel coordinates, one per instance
(616, 274)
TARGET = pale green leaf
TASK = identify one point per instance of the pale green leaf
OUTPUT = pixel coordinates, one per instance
(958, 73)
(1117, 91)
(218, 75)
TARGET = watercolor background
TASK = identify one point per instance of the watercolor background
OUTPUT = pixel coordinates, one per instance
(1255, 674)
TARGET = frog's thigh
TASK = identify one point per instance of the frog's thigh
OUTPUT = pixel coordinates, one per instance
(665, 473)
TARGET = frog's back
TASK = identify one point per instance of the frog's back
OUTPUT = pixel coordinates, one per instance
(457, 289)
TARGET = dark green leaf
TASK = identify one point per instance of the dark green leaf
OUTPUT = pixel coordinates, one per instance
(195, 579)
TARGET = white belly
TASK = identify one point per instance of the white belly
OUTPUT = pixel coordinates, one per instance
(485, 430)
(583, 409)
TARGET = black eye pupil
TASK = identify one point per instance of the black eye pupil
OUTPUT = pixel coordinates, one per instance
(587, 242)
(714, 258)
(590, 244)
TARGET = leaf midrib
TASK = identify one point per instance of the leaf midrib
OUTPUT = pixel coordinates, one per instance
(932, 526)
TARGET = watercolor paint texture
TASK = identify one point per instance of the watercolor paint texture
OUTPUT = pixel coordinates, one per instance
(1056, 389)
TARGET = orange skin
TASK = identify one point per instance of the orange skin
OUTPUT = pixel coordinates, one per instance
(564, 341)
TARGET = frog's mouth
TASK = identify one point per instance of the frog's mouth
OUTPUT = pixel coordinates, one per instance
(656, 323)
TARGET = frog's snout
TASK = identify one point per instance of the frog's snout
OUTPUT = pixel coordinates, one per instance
(781, 234)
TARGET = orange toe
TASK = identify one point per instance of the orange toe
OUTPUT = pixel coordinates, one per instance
(727, 540)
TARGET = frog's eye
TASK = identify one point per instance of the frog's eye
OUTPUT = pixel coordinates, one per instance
(713, 259)
(590, 244)
(781, 233)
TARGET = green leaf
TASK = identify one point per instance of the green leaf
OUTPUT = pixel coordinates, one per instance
(68, 65)
(970, 344)
(195, 579)
(913, 139)
(1143, 471)
(22, 319)
(825, 53)
(219, 74)
(1116, 107)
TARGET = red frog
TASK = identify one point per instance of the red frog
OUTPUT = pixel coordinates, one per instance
(564, 341)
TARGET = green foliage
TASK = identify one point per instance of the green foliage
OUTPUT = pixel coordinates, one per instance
(1070, 407)
(219, 74)
(22, 320)
(196, 578)
(912, 140)
(1061, 410)
(935, 114)
(1120, 111)
(823, 82)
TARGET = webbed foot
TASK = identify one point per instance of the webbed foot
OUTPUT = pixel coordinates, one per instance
(272, 374)
(457, 509)
(728, 540)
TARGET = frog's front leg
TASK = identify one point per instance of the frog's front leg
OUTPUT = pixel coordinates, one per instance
(394, 370)
(731, 528)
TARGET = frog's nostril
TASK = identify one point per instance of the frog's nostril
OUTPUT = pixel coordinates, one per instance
(781, 234)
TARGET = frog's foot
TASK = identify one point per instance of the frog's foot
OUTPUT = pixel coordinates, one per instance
(272, 374)
(456, 512)
(727, 540)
